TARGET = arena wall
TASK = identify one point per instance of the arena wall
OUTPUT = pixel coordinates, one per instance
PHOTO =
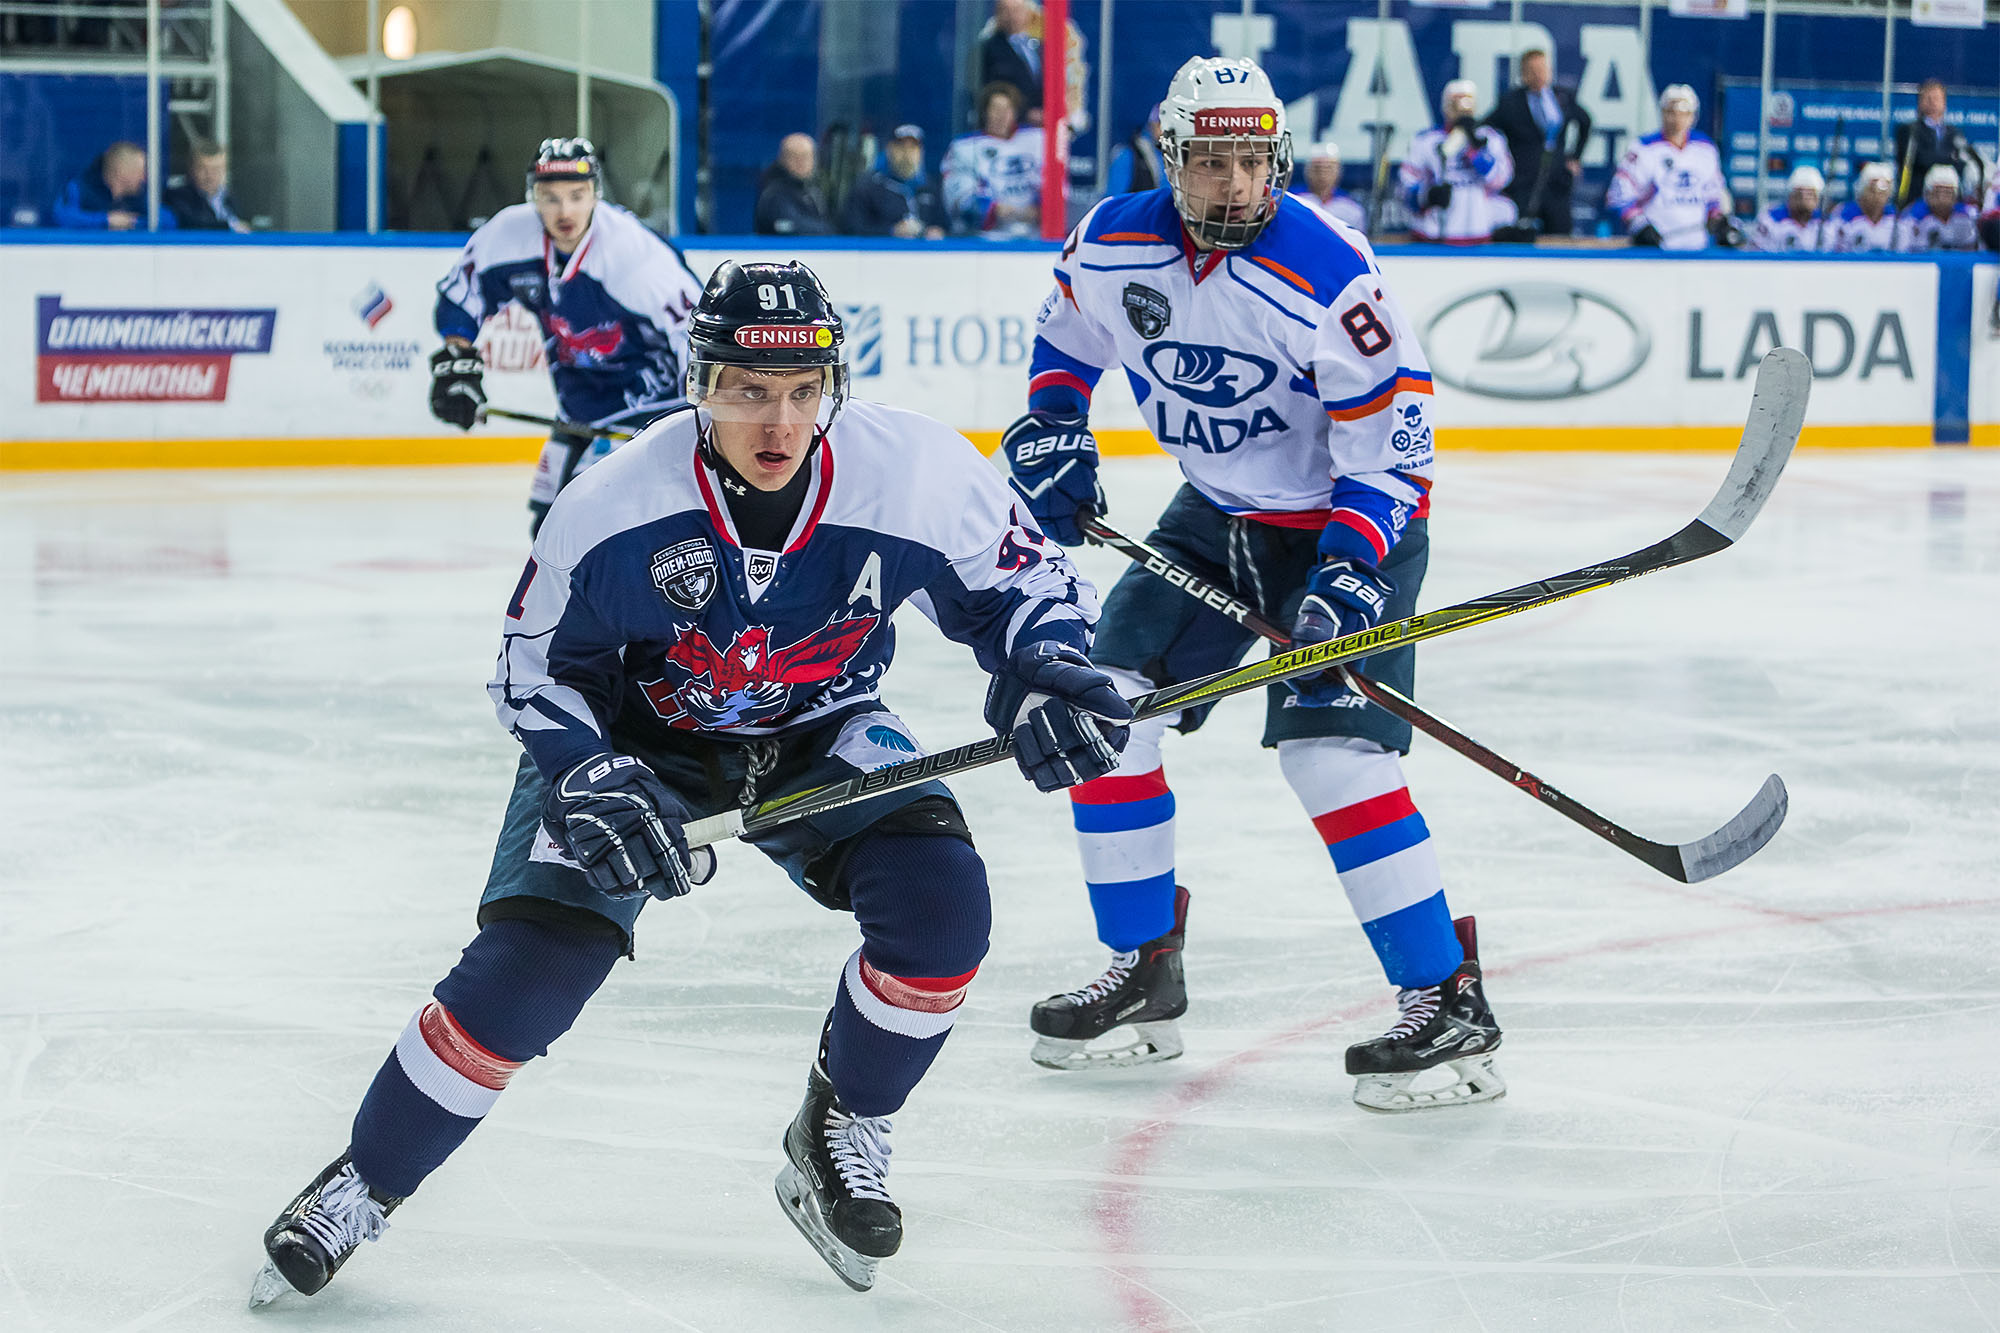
(281, 351)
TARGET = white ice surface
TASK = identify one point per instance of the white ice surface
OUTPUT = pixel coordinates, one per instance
(250, 780)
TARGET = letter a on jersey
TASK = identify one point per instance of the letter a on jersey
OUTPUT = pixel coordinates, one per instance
(868, 584)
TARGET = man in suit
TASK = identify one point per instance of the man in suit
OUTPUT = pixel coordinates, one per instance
(1927, 142)
(1012, 53)
(200, 200)
(1546, 131)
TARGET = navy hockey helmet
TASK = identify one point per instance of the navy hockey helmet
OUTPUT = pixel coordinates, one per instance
(766, 317)
(566, 160)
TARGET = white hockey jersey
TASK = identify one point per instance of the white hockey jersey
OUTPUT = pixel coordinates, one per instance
(1920, 229)
(1672, 187)
(1853, 233)
(1777, 231)
(1282, 377)
(640, 606)
(981, 172)
(1477, 172)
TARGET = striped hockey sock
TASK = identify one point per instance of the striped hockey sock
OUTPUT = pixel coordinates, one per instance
(1125, 834)
(885, 1031)
(1360, 805)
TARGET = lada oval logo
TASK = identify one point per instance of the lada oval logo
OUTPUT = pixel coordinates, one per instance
(1211, 376)
(1534, 340)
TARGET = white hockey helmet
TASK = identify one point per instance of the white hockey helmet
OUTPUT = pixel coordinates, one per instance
(1872, 172)
(1679, 94)
(1941, 175)
(1227, 108)
(1456, 89)
(1806, 178)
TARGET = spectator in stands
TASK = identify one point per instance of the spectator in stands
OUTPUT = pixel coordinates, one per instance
(1137, 166)
(1011, 53)
(1943, 221)
(993, 177)
(896, 198)
(1796, 223)
(1546, 131)
(1322, 188)
(110, 194)
(1868, 220)
(790, 203)
(1927, 142)
(200, 200)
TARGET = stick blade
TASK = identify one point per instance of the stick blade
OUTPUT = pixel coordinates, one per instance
(1738, 840)
(1777, 413)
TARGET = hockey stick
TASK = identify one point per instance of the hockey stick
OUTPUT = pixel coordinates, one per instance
(572, 429)
(1777, 410)
(1689, 862)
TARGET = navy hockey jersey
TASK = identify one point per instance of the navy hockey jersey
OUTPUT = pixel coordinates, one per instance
(613, 314)
(640, 605)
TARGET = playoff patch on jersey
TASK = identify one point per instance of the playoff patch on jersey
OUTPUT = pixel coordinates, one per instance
(1147, 309)
(685, 573)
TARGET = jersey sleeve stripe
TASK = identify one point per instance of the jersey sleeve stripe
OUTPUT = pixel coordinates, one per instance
(1130, 238)
(1374, 400)
(1051, 379)
(1361, 523)
(1285, 273)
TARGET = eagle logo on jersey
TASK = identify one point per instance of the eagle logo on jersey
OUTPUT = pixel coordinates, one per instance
(1147, 309)
(749, 681)
(685, 573)
(1211, 376)
(591, 346)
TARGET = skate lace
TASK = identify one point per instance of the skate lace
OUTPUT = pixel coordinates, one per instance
(1418, 1007)
(1114, 977)
(859, 1146)
(345, 1215)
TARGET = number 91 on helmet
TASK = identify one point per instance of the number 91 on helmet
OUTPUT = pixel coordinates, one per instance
(770, 322)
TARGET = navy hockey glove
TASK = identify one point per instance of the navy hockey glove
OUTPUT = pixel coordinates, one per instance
(1343, 597)
(1054, 460)
(614, 817)
(1725, 232)
(1438, 196)
(1648, 236)
(457, 395)
(1068, 720)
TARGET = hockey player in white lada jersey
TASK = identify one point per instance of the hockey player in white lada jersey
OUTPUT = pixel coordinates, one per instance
(1796, 223)
(1940, 220)
(1668, 188)
(1867, 221)
(1271, 360)
(611, 296)
(705, 625)
(1453, 176)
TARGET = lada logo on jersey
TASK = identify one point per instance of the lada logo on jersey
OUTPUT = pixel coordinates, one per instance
(749, 680)
(1211, 376)
(588, 346)
(1147, 309)
(1535, 341)
(685, 573)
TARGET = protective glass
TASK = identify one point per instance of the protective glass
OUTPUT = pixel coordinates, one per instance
(1227, 188)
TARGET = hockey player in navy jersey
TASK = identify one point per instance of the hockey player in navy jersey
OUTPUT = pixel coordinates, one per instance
(705, 624)
(611, 296)
(1269, 357)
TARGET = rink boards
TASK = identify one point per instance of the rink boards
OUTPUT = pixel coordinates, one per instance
(290, 350)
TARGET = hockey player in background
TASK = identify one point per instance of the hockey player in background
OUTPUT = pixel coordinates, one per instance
(1868, 220)
(1940, 220)
(612, 299)
(1270, 359)
(993, 178)
(1322, 188)
(1668, 188)
(1454, 175)
(705, 624)
(1795, 224)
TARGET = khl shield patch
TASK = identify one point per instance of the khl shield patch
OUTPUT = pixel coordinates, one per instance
(685, 573)
(1147, 309)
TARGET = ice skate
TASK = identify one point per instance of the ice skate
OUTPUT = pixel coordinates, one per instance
(832, 1184)
(1130, 1010)
(312, 1238)
(1447, 1027)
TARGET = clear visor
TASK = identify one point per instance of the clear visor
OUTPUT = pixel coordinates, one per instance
(1226, 189)
(781, 396)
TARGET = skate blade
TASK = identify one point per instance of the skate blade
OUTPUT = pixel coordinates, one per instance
(268, 1286)
(1473, 1080)
(795, 1197)
(1138, 1044)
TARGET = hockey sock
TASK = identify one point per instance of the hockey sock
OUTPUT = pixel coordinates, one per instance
(518, 986)
(921, 902)
(1359, 803)
(1125, 834)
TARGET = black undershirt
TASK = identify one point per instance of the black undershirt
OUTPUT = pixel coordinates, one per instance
(763, 518)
